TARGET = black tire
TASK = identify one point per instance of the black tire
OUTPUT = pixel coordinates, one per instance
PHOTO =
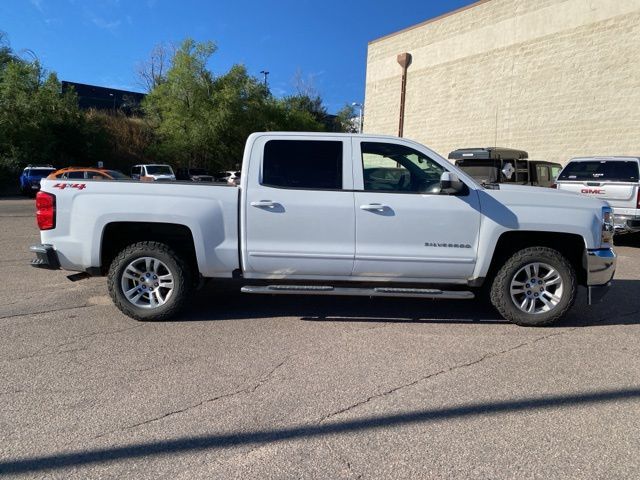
(501, 297)
(177, 267)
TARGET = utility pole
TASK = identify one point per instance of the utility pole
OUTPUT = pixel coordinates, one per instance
(265, 73)
(404, 59)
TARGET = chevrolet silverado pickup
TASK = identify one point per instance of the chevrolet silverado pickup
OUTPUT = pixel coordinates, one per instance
(332, 214)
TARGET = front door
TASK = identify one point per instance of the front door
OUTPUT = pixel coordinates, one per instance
(299, 218)
(406, 229)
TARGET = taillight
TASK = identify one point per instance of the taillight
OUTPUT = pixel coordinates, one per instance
(638, 202)
(46, 210)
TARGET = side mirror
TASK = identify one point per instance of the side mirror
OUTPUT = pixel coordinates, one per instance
(450, 183)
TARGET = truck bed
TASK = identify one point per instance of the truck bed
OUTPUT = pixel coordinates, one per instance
(210, 211)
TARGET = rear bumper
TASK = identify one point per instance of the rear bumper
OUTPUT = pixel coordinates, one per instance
(626, 223)
(601, 265)
(46, 257)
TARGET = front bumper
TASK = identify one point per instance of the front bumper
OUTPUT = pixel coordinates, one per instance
(46, 257)
(600, 265)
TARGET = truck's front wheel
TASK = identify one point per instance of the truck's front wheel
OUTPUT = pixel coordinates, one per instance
(148, 281)
(535, 287)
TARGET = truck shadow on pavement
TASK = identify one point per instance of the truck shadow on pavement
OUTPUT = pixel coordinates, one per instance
(621, 306)
(212, 442)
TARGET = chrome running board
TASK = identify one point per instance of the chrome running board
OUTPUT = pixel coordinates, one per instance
(359, 292)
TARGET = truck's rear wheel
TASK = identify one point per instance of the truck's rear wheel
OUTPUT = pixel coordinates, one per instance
(535, 287)
(149, 281)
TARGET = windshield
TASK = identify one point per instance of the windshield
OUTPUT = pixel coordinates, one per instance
(39, 172)
(599, 170)
(159, 170)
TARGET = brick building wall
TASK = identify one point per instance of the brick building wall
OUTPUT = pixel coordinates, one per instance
(558, 78)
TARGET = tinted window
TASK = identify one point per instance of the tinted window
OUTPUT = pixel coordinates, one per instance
(75, 175)
(303, 164)
(396, 168)
(159, 170)
(39, 172)
(600, 170)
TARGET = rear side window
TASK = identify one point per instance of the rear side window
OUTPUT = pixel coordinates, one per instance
(601, 170)
(75, 175)
(310, 164)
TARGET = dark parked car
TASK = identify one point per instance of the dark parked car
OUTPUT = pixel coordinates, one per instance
(505, 165)
(31, 176)
(193, 175)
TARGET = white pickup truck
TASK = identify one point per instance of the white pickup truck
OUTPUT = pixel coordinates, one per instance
(615, 180)
(332, 214)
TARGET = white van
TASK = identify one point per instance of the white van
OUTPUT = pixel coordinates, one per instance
(153, 172)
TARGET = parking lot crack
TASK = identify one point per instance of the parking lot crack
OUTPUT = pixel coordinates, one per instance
(261, 381)
(442, 372)
(45, 311)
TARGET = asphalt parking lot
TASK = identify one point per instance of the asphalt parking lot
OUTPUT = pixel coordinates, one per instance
(292, 387)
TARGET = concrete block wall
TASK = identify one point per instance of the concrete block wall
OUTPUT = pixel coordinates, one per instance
(558, 78)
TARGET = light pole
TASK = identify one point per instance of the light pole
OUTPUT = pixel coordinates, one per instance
(361, 107)
(265, 73)
(114, 101)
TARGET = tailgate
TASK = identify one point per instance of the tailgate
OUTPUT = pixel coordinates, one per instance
(622, 195)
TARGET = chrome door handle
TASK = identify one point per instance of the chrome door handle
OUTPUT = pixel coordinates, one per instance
(373, 206)
(263, 204)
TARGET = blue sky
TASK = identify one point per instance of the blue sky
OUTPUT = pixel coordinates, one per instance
(100, 42)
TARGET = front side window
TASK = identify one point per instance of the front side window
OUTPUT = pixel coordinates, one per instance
(310, 164)
(75, 175)
(396, 168)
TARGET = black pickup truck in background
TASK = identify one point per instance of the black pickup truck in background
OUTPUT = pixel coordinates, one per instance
(505, 165)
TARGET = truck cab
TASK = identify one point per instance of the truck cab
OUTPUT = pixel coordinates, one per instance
(493, 165)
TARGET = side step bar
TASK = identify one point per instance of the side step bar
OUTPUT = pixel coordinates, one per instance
(359, 292)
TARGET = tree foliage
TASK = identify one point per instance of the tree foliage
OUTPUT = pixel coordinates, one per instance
(203, 119)
(190, 117)
(38, 123)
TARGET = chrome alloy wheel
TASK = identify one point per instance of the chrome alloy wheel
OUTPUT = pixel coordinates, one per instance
(536, 288)
(147, 282)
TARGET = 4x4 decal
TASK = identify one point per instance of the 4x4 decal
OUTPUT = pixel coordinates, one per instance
(62, 186)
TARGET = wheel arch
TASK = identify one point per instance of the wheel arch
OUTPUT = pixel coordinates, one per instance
(118, 235)
(570, 245)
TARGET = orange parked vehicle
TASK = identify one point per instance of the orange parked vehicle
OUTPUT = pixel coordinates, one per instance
(87, 173)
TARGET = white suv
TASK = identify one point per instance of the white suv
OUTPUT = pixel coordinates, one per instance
(614, 179)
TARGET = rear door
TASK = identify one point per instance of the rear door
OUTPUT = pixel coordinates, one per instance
(615, 181)
(405, 229)
(298, 208)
